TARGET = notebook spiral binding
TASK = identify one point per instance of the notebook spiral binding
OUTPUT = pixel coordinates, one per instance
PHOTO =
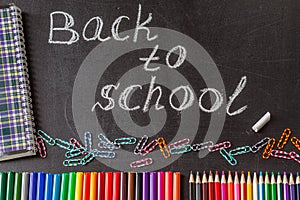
(24, 79)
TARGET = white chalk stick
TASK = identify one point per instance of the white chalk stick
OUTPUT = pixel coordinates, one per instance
(265, 119)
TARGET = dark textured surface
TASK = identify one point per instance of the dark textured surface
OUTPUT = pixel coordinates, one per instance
(258, 39)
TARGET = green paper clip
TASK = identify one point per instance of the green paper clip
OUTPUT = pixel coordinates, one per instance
(46, 137)
(125, 140)
(181, 149)
(87, 158)
(72, 162)
(74, 152)
(64, 144)
(240, 150)
(228, 157)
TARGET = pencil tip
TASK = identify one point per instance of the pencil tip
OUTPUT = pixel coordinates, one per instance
(217, 173)
(223, 173)
(249, 173)
(260, 173)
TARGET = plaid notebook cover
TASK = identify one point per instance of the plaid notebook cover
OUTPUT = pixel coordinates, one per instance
(15, 124)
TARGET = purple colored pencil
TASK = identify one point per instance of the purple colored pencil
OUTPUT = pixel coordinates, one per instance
(285, 183)
(146, 186)
(161, 185)
(292, 188)
(153, 186)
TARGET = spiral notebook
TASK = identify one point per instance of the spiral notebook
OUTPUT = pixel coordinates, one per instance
(16, 120)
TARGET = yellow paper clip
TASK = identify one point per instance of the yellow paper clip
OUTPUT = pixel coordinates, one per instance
(296, 142)
(163, 147)
(267, 152)
(284, 138)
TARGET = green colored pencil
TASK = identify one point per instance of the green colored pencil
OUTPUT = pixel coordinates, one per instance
(273, 187)
(267, 187)
(10, 185)
(18, 186)
(64, 186)
(72, 185)
(3, 181)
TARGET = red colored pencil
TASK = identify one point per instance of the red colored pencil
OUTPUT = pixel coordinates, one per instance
(204, 187)
(243, 187)
(224, 193)
(217, 187)
(86, 186)
(108, 185)
(116, 186)
(230, 187)
(210, 186)
(169, 186)
(100, 185)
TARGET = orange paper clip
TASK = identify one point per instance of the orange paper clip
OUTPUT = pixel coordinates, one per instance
(284, 138)
(296, 142)
(267, 152)
(163, 147)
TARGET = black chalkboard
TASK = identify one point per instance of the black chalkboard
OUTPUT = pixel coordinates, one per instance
(227, 40)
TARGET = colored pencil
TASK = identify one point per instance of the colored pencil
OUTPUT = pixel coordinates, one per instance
(64, 186)
(217, 187)
(198, 187)
(292, 188)
(17, 186)
(298, 185)
(116, 186)
(261, 187)
(138, 188)
(71, 186)
(123, 186)
(40, 186)
(130, 186)
(25, 186)
(243, 187)
(3, 182)
(279, 187)
(168, 186)
(285, 184)
(267, 187)
(204, 187)
(48, 186)
(191, 186)
(249, 187)
(56, 186)
(32, 186)
(86, 186)
(93, 186)
(153, 186)
(273, 187)
(78, 188)
(230, 187)
(101, 185)
(224, 189)
(10, 185)
(176, 186)
(161, 186)
(237, 187)
(255, 187)
(108, 186)
(146, 186)
(210, 186)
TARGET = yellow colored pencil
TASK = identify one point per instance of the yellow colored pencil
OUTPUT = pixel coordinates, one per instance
(93, 188)
(249, 187)
(78, 189)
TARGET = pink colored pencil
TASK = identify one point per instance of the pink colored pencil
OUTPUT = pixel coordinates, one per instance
(224, 195)
(161, 186)
(237, 187)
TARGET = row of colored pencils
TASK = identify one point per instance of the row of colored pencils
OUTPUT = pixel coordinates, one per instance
(235, 187)
(90, 186)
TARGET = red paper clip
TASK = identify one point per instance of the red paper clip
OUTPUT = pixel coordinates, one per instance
(296, 142)
(41, 147)
(219, 146)
(179, 143)
(149, 147)
(295, 156)
(267, 152)
(284, 138)
(280, 154)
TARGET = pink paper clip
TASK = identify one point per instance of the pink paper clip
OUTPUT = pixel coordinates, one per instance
(295, 156)
(179, 143)
(149, 147)
(280, 154)
(41, 147)
(219, 146)
(141, 163)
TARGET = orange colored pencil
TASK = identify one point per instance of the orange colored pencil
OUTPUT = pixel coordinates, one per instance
(176, 186)
(93, 186)
(230, 187)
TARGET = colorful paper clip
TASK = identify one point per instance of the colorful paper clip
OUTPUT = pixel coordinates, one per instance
(219, 146)
(105, 143)
(75, 152)
(230, 159)
(104, 154)
(149, 147)
(267, 151)
(75, 142)
(181, 149)
(295, 156)
(201, 146)
(72, 162)
(141, 144)
(41, 147)
(64, 144)
(141, 163)
(280, 154)
(88, 141)
(163, 147)
(284, 138)
(296, 142)
(179, 143)
(260, 144)
(87, 158)
(125, 140)
(240, 150)
(46, 137)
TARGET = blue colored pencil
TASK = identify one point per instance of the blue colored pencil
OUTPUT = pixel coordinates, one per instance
(56, 186)
(32, 186)
(298, 186)
(40, 186)
(261, 187)
(48, 187)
